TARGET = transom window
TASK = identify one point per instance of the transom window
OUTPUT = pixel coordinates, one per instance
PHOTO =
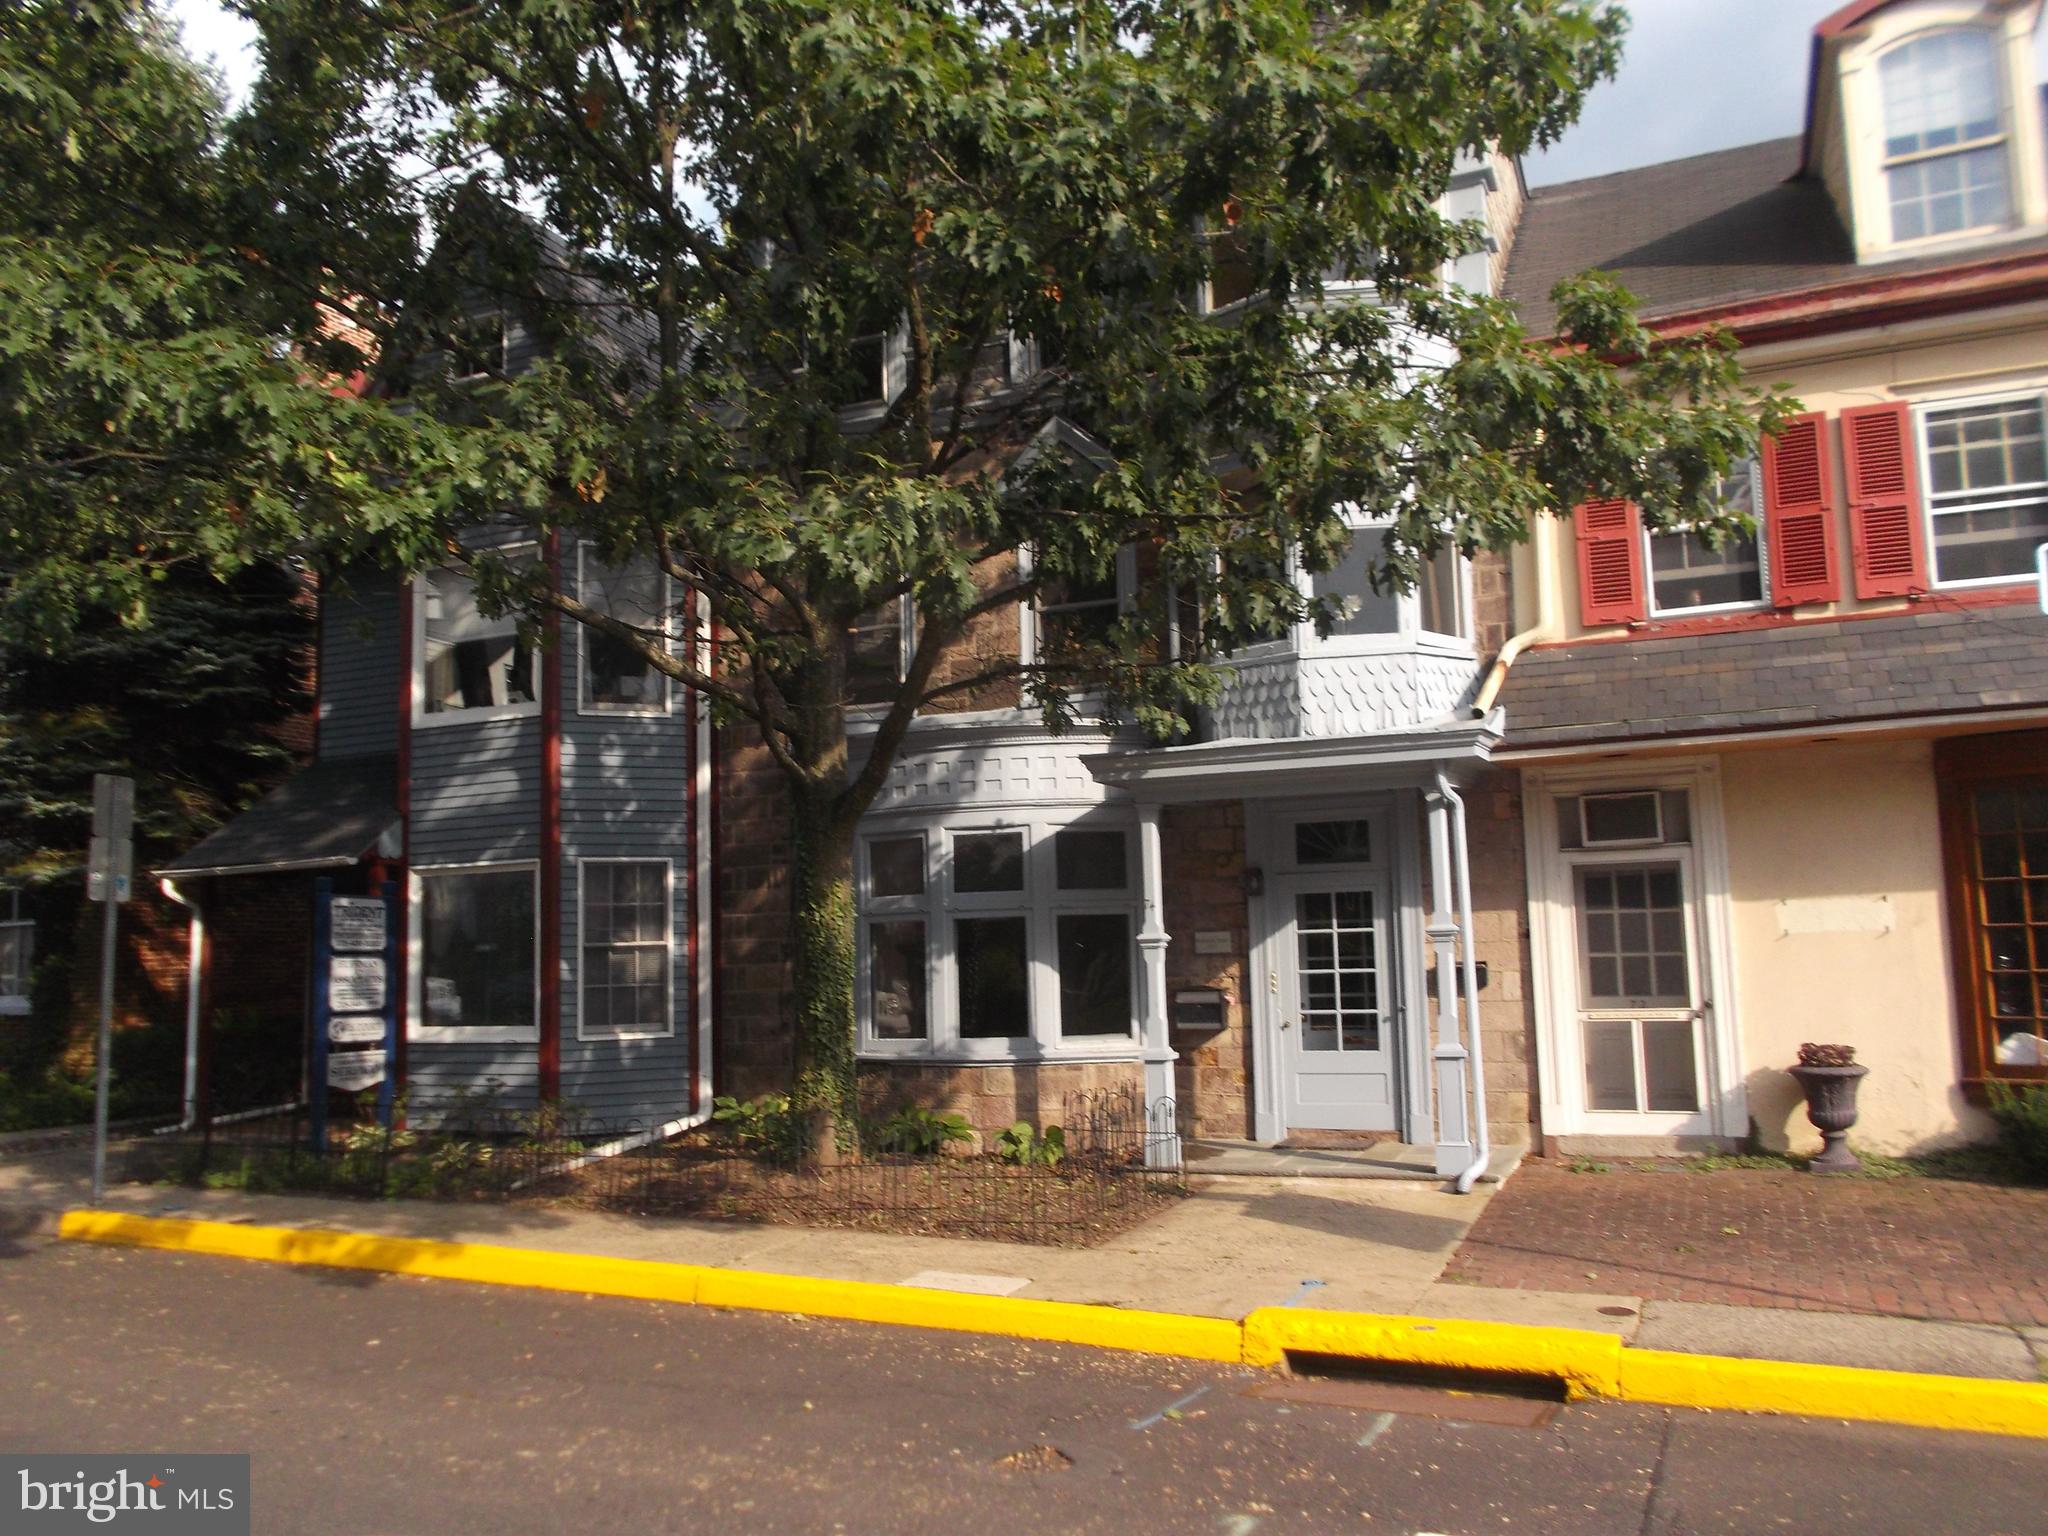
(617, 679)
(1987, 482)
(627, 949)
(478, 970)
(1014, 940)
(1687, 576)
(471, 664)
(1944, 138)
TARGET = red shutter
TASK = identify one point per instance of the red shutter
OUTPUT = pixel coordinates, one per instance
(1610, 563)
(1884, 501)
(1799, 513)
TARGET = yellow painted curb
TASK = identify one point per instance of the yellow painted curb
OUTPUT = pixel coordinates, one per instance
(1588, 1363)
(1835, 1392)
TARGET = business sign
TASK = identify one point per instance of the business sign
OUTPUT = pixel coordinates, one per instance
(356, 1029)
(356, 925)
(354, 1070)
(355, 983)
(110, 865)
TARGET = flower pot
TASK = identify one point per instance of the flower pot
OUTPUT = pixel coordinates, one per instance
(1831, 1106)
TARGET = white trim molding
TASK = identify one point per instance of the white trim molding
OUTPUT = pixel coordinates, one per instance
(417, 1029)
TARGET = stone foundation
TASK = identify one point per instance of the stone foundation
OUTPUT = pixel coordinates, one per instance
(992, 1096)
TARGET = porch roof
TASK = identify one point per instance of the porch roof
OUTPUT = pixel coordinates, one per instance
(326, 816)
(1258, 767)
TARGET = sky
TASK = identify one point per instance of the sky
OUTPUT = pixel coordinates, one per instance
(1696, 75)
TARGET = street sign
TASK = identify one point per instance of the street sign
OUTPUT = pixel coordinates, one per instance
(356, 1029)
(355, 983)
(110, 866)
(356, 925)
(352, 1071)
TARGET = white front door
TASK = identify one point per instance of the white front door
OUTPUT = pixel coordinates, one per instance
(1335, 1004)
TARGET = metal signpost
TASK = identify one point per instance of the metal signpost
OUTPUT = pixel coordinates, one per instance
(110, 873)
(354, 1003)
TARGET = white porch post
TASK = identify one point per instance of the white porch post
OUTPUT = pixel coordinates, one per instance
(1162, 1146)
(1451, 1058)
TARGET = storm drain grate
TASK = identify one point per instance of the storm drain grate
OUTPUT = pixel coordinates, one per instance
(1526, 1402)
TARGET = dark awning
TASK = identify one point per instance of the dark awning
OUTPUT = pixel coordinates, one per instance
(324, 817)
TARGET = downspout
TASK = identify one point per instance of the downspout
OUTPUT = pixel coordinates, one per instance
(1482, 1145)
(1542, 541)
(195, 959)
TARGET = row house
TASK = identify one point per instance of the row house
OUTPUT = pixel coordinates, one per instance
(1576, 845)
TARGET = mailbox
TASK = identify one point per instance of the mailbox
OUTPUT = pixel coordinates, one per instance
(1199, 1009)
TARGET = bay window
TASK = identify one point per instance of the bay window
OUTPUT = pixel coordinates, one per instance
(985, 938)
(1439, 604)
(478, 974)
(1945, 153)
(1987, 485)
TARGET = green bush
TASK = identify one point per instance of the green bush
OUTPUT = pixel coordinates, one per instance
(2022, 1116)
(919, 1132)
(1027, 1148)
(765, 1126)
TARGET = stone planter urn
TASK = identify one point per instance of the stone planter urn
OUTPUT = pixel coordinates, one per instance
(1828, 1076)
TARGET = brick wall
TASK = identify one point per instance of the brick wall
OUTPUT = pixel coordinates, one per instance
(1203, 868)
(753, 1043)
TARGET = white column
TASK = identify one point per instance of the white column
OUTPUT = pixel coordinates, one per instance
(1450, 1057)
(1163, 1144)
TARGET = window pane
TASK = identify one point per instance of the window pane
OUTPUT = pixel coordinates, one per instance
(1610, 1065)
(896, 967)
(1360, 610)
(1632, 937)
(896, 866)
(1090, 861)
(1095, 973)
(1441, 595)
(1685, 573)
(17, 944)
(1671, 1080)
(470, 661)
(1989, 474)
(992, 966)
(626, 949)
(477, 949)
(615, 676)
(1623, 818)
(1080, 611)
(1333, 842)
(988, 861)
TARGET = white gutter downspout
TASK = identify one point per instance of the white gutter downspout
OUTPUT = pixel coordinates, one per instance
(1542, 542)
(1482, 1144)
(195, 957)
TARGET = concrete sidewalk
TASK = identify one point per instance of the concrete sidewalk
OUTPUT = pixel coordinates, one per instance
(1234, 1245)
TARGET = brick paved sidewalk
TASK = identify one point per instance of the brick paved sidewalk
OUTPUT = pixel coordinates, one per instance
(1923, 1248)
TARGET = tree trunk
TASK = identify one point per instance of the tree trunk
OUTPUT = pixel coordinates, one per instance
(822, 936)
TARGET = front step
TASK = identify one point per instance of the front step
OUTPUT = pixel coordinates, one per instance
(1382, 1160)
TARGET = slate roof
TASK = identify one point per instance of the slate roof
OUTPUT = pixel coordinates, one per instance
(329, 814)
(1941, 662)
(1699, 232)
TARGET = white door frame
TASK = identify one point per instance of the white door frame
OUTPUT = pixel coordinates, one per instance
(1394, 871)
(1553, 948)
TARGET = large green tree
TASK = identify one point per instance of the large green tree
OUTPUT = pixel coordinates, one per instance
(722, 203)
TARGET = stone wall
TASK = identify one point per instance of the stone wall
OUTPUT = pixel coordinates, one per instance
(1203, 868)
(994, 1095)
(1500, 926)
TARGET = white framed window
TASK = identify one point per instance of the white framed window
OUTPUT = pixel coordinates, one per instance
(1440, 604)
(1688, 577)
(17, 956)
(625, 926)
(992, 938)
(613, 678)
(1946, 161)
(475, 971)
(880, 644)
(1985, 470)
(1082, 612)
(469, 666)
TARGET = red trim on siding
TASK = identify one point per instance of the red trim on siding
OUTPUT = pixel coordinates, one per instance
(1664, 629)
(1799, 513)
(1885, 531)
(551, 842)
(401, 867)
(1610, 546)
(715, 831)
(693, 828)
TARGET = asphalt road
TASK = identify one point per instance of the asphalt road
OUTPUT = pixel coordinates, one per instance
(374, 1404)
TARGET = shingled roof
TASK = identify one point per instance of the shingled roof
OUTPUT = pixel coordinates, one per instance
(1943, 661)
(1697, 233)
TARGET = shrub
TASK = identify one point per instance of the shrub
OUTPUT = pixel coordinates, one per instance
(2022, 1116)
(1811, 1055)
(765, 1126)
(919, 1132)
(1027, 1148)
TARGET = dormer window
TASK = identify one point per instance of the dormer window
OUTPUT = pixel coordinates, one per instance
(1945, 161)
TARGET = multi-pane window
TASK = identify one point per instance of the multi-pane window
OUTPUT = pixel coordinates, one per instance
(628, 957)
(1987, 484)
(617, 677)
(17, 951)
(1686, 575)
(2009, 852)
(470, 661)
(1081, 610)
(478, 955)
(998, 940)
(1944, 135)
(1339, 971)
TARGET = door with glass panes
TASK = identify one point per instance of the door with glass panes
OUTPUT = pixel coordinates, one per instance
(1336, 1004)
